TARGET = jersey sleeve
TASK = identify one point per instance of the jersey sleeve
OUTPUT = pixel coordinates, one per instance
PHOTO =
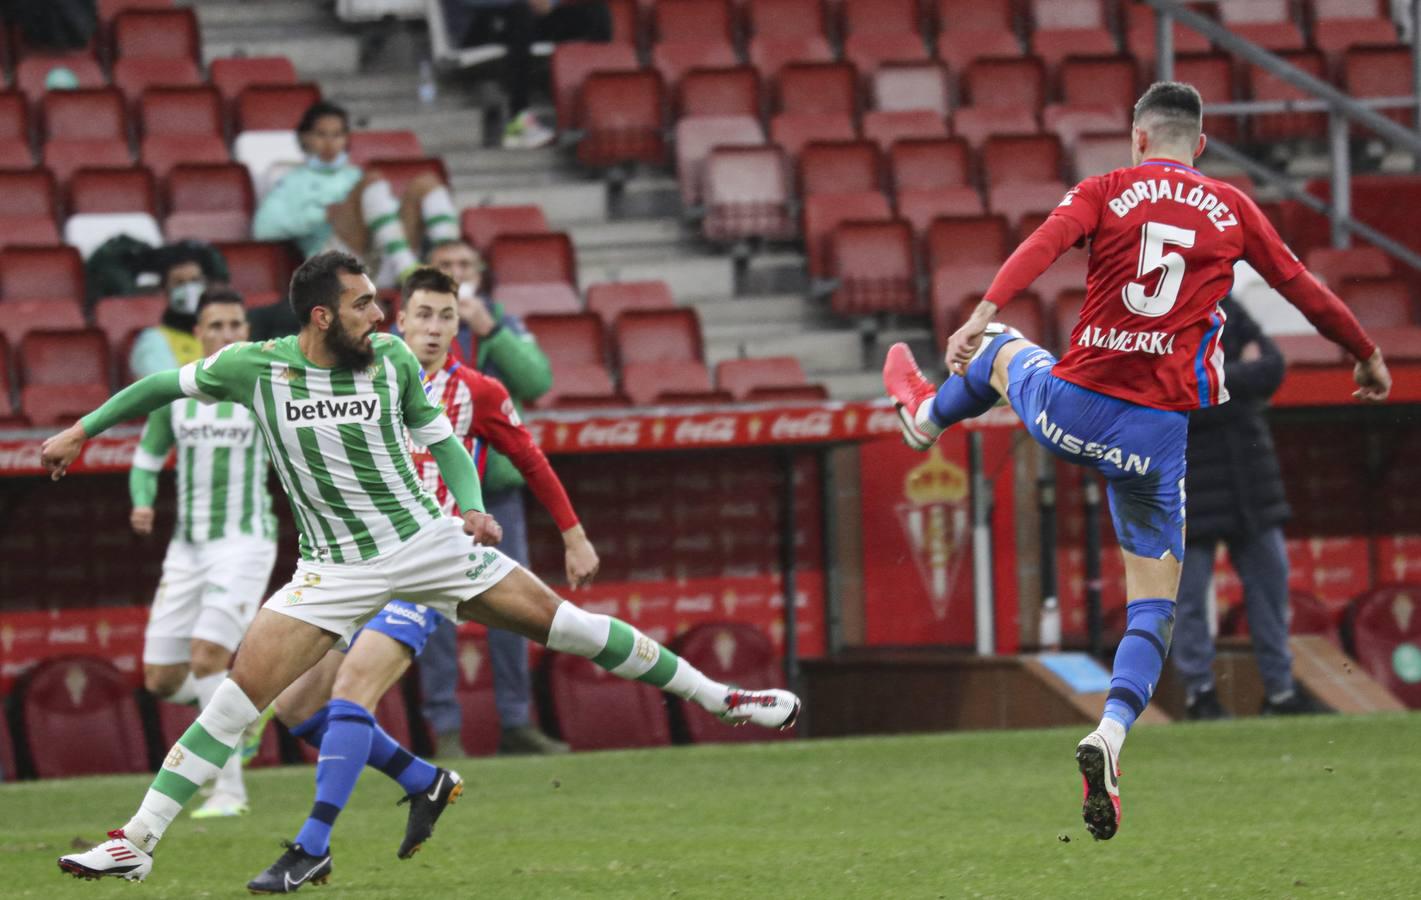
(423, 417)
(1263, 248)
(228, 374)
(1083, 205)
(157, 439)
(497, 421)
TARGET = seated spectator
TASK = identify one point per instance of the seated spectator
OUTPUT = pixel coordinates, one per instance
(187, 268)
(517, 25)
(329, 203)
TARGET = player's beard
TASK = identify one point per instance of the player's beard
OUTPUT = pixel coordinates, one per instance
(349, 352)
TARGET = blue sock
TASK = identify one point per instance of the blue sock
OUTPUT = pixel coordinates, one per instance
(313, 729)
(344, 750)
(413, 774)
(970, 396)
(1148, 624)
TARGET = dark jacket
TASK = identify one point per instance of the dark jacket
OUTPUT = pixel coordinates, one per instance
(1234, 487)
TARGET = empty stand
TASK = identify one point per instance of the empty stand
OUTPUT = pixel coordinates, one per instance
(1097, 154)
(1379, 72)
(1023, 175)
(900, 87)
(15, 150)
(823, 213)
(965, 240)
(69, 707)
(84, 128)
(697, 136)
(480, 731)
(873, 264)
(1097, 95)
(622, 119)
(258, 267)
(532, 259)
(931, 178)
(572, 64)
(1267, 23)
(32, 71)
(181, 125)
(1335, 266)
(1140, 35)
(1070, 28)
(610, 299)
(691, 34)
(742, 377)
(120, 318)
(746, 195)
(208, 202)
(973, 31)
(731, 653)
(480, 225)
(575, 345)
(27, 207)
(1004, 96)
(156, 33)
(658, 335)
(1287, 126)
(10, 417)
(719, 92)
(1025, 313)
(231, 74)
(19, 317)
(134, 75)
(785, 31)
(370, 145)
(1340, 25)
(1379, 302)
(881, 31)
(837, 167)
(596, 710)
(273, 107)
(1213, 75)
(41, 273)
(1309, 350)
(887, 128)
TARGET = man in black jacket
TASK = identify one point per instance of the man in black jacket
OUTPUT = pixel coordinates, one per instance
(1234, 494)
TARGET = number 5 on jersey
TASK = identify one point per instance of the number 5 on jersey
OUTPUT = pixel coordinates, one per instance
(1154, 237)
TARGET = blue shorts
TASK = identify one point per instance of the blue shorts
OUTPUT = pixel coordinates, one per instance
(1139, 450)
(408, 623)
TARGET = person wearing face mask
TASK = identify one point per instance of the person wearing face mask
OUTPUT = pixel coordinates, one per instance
(330, 203)
(187, 269)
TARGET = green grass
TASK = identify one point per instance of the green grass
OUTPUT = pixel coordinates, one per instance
(1319, 807)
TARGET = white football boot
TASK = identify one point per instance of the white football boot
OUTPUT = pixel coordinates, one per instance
(117, 857)
(773, 708)
(1100, 772)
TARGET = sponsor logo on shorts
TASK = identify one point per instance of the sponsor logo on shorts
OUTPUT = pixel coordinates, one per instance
(489, 558)
(329, 411)
(1059, 437)
(311, 579)
(293, 597)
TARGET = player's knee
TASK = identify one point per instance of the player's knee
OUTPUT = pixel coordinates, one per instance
(420, 185)
(163, 681)
(575, 630)
(209, 658)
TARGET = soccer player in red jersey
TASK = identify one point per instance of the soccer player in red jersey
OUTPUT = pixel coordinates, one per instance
(1163, 242)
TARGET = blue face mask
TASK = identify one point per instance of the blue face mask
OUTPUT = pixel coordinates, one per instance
(315, 162)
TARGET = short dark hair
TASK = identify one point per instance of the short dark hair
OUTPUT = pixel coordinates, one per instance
(319, 110)
(428, 278)
(215, 295)
(316, 282)
(1177, 107)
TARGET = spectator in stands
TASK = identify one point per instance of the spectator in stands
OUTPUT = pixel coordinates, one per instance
(1234, 494)
(330, 203)
(496, 344)
(517, 25)
(187, 267)
(55, 26)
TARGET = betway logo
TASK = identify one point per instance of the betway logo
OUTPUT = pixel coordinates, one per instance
(1157, 343)
(344, 411)
(215, 435)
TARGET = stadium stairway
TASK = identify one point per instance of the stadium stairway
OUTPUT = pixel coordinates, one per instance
(630, 233)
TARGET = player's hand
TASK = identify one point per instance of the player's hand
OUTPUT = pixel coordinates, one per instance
(60, 450)
(964, 342)
(142, 520)
(580, 557)
(483, 528)
(1373, 379)
(476, 314)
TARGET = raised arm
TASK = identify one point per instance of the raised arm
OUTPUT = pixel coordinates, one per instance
(138, 399)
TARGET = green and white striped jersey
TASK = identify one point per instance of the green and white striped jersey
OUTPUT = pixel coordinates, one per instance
(222, 466)
(336, 438)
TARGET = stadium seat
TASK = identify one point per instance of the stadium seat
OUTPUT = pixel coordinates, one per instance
(575, 345)
(181, 125)
(208, 202)
(1402, 342)
(480, 731)
(874, 267)
(746, 195)
(880, 31)
(400, 172)
(691, 34)
(231, 74)
(54, 274)
(1340, 25)
(899, 87)
(135, 75)
(958, 241)
(27, 207)
(535, 258)
(781, 32)
(1066, 274)
(622, 119)
(1308, 350)
(1140, 39)
(1379, 302)
(541, 298)
(1307, 615)
(973, 31)
(610, 299)
(20, 317)
(267, 155)
(719, 92)
(1024, 313)
(1070, 28)
(1383, 629)
(164, 33)
(840, 167)
(1382, 201)
(369, 145)
(596, 710)
(87, 232)
(31, 72)
(823, 213)
(1097, 95)
(658, 335)
(10, 417)
(571, 65)
(1213, 75)
(1267, 23)
(697, 136)
(823, 88)
(1334, 267)
(1096, 154)
(887, 128)
(1004, 96)
(731, 653)
(70, 706)
(931, 178)
(120, 318)
(770, 55)
(258, 267)
(1015, 159)
(108, 9)
(480, 225)
(1267, 127)
(1068, 313)
(792, 132)
(113, 191)
(1379, 72)
(273, 107)
(15, 152)
(741, 377)
(84, 128)
(804, 393)
(673, 382)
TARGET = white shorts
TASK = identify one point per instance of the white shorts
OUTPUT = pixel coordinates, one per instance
(210, 590)
(439, 567)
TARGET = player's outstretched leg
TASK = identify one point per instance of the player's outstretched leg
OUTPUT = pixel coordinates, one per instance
(925, 411)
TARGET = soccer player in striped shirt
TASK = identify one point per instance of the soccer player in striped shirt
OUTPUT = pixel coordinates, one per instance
(219, 560)
(1164, 239)
(332, 403)
(347, 687)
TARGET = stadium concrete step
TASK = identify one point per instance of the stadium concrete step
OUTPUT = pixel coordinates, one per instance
(851, 385)
(818, 350)
(216, 15)
(761, 308)
(630, 235)
(538, 164)
(690, 278)
(447, 126)
(563, 204)
(317, 55)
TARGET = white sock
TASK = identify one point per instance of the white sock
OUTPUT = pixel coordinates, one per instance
(229, 778)
(194, 760)
(186, 692)
(207, 685)
(1114, 734)
(381, 212)
(441, 223)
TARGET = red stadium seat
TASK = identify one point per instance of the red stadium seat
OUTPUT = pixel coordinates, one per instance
(822, 88)
(1308, 350)
(804, 393)
(955, 242)
(610, 299)
(15, 150)
(674, 382)
(743, 376)
(575, 345)
(108, 9)
(1017, 160)
(596, 710)
(780, 32)
(27, 207)
(673, 60)
(973, 31)
(746, 195)
(873, 262)
(84, 128)
(1382, 201)
(1024, 313)
(1379, 302)
(10, 417)
(658, 335)
(822, 213)
(181, 125)
(1267, 23)
(1384, 631)
(621, 116)
(1340, 25)
(538, 258)
(8, 770)
(840, 167)
(41, 273)
(31, 72)
(910, 86)
(1066, 274)
(691, 34)
(479, 734)
(112, 191)
(732, 653)
(792, 132)
(888, 128)
(1005, 97)
(156, 32)
(233, 73)
(1379, 72)
(858, 17)
(20, 317)
(1097, 154)
(273, 107)
(931, 178)
(1268, 127)
(1335, 267)
(1213, 75)
(368, 145)
(120, 318)
(697, 136)
(1140, 40)
(626, 27)
(64, 358)
(72, 705)
(480, 225)
(259, 267)
(1097, 95)
(1309, 615)
(208, 202)
(572, 64)
(719, 92)
(400, 172)
(135, 75)
(869, 51)
(1070, 28)
(542, 298)
(770, 55)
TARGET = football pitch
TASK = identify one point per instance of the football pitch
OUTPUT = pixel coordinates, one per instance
(1312, 807)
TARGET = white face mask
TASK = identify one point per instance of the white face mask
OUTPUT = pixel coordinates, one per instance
(315, 162)
(183, 298)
